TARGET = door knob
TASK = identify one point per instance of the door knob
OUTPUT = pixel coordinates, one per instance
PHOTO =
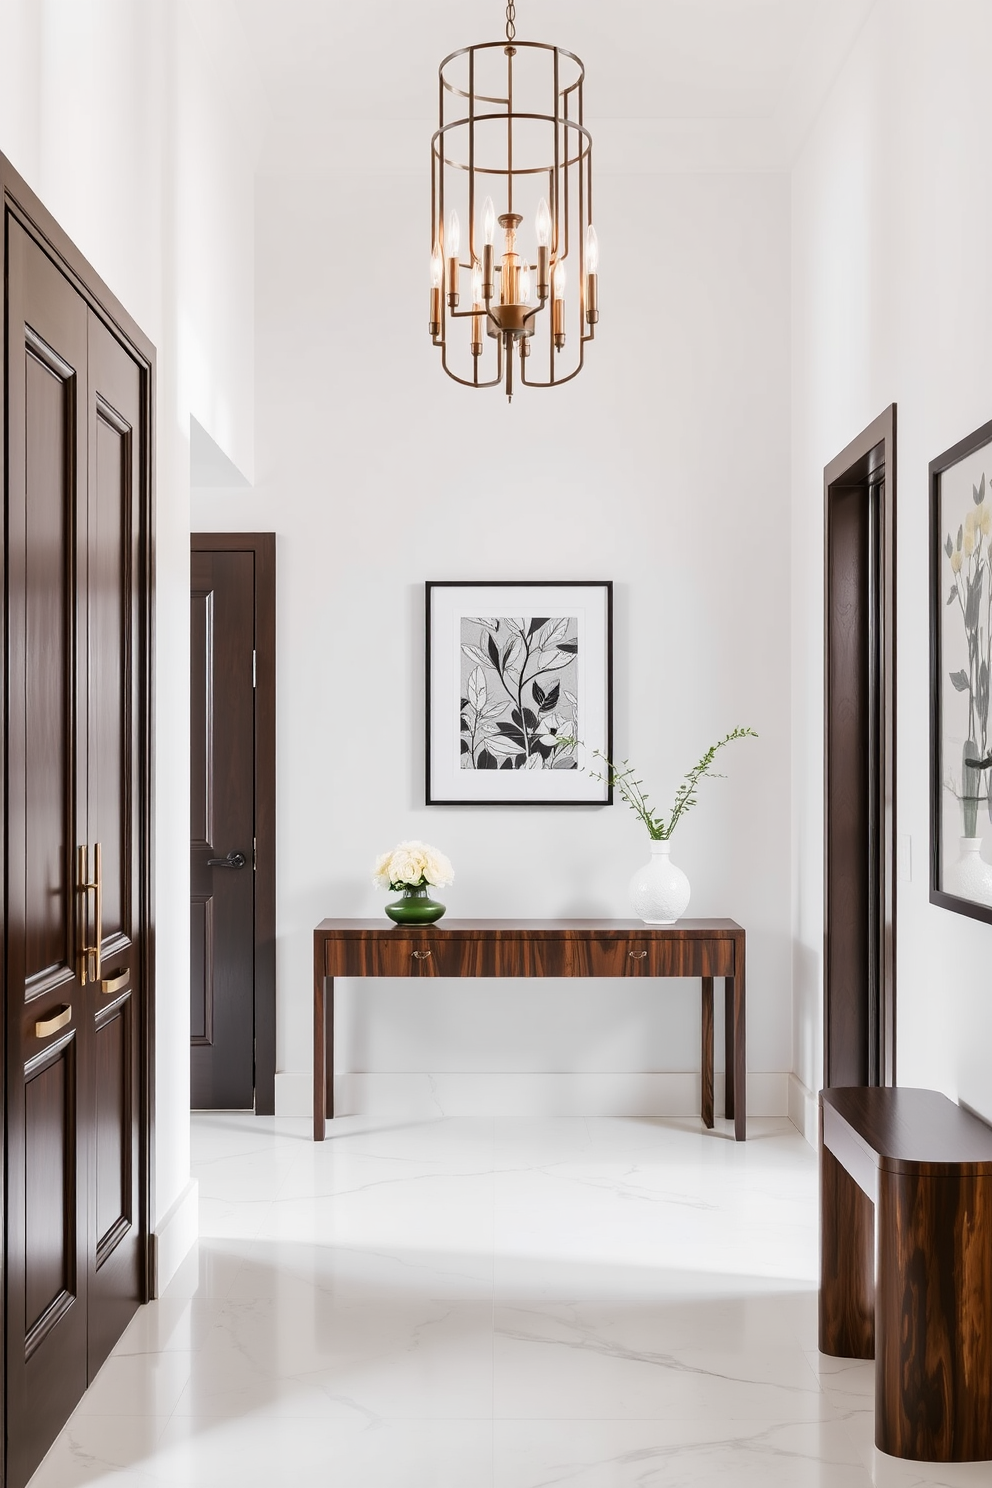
(233, 860)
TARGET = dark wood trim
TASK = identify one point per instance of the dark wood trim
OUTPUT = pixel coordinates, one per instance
(20, 202)
(539, 948)
(872, 455)
(263, 546)
(944, 462)
(431, 584)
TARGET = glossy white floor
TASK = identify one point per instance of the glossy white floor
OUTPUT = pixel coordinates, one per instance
(488, 1304)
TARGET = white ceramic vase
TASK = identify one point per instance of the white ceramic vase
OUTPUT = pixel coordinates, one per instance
(971, 876)
(659, 891)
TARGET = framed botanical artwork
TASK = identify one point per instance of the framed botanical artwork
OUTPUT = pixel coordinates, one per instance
(519, 692)
(960, 669)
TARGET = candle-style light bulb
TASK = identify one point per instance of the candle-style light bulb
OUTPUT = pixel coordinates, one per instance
(592, 276)
(525, 284)
(592, 250)
(488, 252)
(477, 284)
(558, 305)
(451, 253)
(543, 225)
(437, 280)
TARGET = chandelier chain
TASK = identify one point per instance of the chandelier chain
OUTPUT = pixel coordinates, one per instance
(511, 16)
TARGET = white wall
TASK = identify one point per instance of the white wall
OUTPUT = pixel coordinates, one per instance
(663, 467)
(892, 210)
(119, 117)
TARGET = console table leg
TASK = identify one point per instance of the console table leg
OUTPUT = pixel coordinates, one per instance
(318, 1055)
(728, 1041)
(933, 1317)
(737, 1046)
(706, 1060)
(847, 1263)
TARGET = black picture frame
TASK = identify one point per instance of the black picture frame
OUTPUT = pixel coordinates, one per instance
(953, 492)
(558, 780)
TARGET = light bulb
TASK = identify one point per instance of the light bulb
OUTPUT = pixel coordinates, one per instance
(592, 250)
(477, 285)
(543, 225)
(437, 268)
(525, 284)
(454, 236)
(558, 280)
(488, 221)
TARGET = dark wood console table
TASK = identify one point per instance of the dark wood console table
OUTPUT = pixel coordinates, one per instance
(906, 1264)
(536, 948)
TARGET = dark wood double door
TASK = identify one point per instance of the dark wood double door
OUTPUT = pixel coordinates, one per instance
(75, 841)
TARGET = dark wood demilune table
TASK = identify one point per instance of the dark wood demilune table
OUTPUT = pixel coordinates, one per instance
(537, 948)
(906, 1264)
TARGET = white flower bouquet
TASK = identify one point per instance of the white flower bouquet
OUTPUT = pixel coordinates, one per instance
(411, 865)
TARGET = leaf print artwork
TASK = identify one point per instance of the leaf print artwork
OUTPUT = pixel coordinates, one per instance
(968, 555)
(519, 693)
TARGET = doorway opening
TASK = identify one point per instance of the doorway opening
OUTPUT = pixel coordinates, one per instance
(859, 987)
(232, 821)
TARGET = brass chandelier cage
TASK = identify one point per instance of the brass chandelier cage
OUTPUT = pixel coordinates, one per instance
(511, 151)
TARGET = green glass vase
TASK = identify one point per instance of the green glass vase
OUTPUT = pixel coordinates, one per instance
(416, 907)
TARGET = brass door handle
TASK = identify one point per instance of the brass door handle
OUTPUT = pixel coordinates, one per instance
(89, 955)
(117, 983)
(420, 955)
(46, 1026)
(637, 955)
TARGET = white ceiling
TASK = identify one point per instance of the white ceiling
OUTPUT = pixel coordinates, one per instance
(761, 67)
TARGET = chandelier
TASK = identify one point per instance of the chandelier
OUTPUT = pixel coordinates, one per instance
(511, 152)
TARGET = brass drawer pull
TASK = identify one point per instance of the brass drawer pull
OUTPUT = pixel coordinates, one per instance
(637, 955)
(117, 983)
(420, 955)
(46, 1026)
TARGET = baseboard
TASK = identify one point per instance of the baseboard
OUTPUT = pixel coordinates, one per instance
(174, 1237)
(803, 1110)
(593, 1093)
(294, 1094)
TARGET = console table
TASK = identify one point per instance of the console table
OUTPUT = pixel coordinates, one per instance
(536, 948)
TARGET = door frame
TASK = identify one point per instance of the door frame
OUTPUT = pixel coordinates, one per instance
(20, 202)
(263, 546)
(857, 468)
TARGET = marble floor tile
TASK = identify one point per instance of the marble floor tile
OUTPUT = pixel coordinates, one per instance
(489, 1303)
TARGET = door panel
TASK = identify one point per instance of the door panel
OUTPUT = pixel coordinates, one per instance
(47, 1153)
(222, 822)
(113, 620)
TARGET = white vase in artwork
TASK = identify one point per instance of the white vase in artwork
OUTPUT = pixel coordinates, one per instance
(659, 891)
(971, 877)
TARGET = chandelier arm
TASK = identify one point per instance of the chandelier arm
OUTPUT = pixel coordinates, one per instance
(556, 381)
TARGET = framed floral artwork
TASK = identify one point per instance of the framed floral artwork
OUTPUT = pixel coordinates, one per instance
(519, 692)
(960, 669)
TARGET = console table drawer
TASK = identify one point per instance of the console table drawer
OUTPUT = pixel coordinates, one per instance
(651, 958)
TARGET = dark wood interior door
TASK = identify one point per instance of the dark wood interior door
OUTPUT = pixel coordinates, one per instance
(113, 553)
(75, 1226)
(222, 831)
(48, 1027)
(859, 753)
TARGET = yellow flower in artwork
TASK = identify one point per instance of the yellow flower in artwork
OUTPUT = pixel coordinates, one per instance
(955, 562)
(969, 540)
(985, 519)
(970, 522)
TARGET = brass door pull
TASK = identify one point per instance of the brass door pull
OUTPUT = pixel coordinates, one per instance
(89, 955)
(637, 955)
(420, 955)
(46, 1026)
(117, 983)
